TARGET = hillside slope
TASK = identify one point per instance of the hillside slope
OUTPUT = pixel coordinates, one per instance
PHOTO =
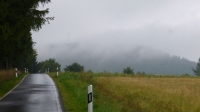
(140, 58)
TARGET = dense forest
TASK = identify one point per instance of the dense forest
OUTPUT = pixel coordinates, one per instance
(18, 19)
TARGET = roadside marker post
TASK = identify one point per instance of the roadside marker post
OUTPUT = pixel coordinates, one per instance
(16, 72)
(90, 98)
(57, 71)
(25, 70)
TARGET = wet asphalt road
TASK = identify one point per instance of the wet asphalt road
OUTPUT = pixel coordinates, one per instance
(36, 93)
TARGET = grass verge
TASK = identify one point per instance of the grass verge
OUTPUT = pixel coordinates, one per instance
(73, 90)
(9, 83)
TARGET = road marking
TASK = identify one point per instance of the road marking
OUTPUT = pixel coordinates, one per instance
(13, 88)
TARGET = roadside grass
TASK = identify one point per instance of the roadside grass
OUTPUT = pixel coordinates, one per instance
(8, 81)
(73, 90)
(5, 75)
(129, 93)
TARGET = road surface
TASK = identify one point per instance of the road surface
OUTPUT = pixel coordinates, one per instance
(36, 93)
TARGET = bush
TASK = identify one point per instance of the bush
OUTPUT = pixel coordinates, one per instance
(75, 67)
(128, 70)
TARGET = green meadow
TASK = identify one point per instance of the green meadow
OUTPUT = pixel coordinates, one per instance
(136, 93)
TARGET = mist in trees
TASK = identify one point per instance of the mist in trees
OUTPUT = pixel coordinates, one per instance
(141, 58)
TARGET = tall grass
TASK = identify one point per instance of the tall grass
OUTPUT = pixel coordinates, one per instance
(8, 80)
(135, 93)
(6, 75)
(153, 94)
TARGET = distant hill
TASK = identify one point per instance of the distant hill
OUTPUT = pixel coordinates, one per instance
(139, 58)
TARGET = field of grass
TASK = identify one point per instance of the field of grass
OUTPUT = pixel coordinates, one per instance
(8, 81)
(130, 93)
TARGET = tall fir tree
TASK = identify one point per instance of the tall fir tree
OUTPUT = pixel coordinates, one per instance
(197, 70)
(18, 18)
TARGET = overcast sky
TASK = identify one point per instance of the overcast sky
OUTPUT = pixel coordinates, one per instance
(171, 26)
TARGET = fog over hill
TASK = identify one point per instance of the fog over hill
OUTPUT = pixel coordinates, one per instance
(111, 35)
(114, 59)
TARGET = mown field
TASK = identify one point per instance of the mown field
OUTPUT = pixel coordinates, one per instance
(139, 93)
(8, 81)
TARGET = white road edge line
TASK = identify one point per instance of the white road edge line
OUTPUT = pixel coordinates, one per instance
(57, 97)
(13, 88)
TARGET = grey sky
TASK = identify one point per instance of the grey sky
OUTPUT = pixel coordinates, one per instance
(171, 26)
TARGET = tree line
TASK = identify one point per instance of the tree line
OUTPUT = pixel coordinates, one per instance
(17, 19)
(51, 65)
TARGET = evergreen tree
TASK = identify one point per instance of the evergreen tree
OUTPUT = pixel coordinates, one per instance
(18, 18)
(197, 70)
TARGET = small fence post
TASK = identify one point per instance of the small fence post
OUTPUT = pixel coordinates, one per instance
(16, 72)
(57, 71)
(90, 98)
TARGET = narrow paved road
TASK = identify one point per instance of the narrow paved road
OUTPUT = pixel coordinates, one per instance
(36, 93)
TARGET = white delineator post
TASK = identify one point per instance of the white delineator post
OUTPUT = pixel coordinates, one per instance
(57, 71)
(25, 70)
(16, 72)
(90, 98)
